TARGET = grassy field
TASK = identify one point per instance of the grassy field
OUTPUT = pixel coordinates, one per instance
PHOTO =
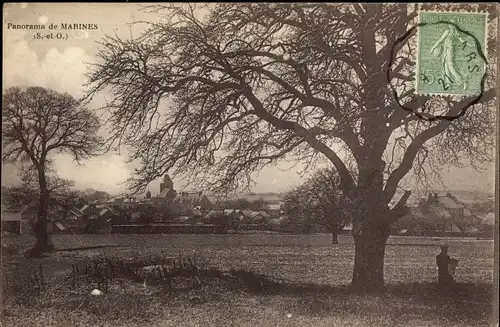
(410, 272)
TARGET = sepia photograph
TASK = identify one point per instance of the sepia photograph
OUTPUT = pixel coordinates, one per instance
(250, 164)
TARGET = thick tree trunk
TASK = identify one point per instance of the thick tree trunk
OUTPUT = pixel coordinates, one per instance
(368, 274)
(372, 218)
(371, 225)
(43, 241)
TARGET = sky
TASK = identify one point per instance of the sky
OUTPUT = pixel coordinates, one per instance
(61, 65)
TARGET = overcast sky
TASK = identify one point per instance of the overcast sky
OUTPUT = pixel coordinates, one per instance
(61, 64)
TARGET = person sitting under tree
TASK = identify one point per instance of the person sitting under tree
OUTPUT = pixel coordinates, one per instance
(444, 263)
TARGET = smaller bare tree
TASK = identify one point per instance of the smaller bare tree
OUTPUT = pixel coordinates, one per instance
(38, 123)
(319, 200)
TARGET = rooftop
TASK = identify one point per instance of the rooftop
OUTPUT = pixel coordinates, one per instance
(450, 202)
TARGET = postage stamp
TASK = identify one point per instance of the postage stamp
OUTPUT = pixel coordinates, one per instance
(451, 53)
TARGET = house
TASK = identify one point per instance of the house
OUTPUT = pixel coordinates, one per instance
(257, 217)
(470, 222)
(186, 202)
(439, 220)
(246, 215)
(212, 214)
(90, 218)
(99, 223)
(123, 203)
(75, 213)
(235, 215)
(216, 217)
(488, 219)
(451, 214)
(231, 212)
(278, 221)
(347, 228)
(413, 223)
(71, 224)
(438, 214)
(116, 202)
(196, 214)
(105, 213)
(85, 209)
(254, 217)
(131, 203)
(265, 215)
(18, 220)
(274, 209)
(487, 226)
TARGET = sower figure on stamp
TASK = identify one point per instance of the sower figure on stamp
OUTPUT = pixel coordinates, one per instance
(446, 47)
(446, 267)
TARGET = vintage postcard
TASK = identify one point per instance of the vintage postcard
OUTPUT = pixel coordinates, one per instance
(250, 164)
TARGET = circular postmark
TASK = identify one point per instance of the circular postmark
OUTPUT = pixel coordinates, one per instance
(450, 39)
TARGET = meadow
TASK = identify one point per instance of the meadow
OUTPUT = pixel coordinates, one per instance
(412, 298)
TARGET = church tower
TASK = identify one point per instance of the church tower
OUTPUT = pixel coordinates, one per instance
(167, 183)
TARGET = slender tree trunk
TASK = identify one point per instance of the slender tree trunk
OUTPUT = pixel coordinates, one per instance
(335, 239)
(43, 241)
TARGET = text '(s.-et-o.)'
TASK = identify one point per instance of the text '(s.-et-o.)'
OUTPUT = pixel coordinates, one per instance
(53, 31)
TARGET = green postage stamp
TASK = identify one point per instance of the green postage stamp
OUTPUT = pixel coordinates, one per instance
(451, 53)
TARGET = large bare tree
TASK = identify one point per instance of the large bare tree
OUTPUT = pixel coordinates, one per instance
(216, 92)
(36, 124)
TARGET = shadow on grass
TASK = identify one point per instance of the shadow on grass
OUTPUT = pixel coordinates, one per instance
(88, 248)
(471, 292)
(34, 253)
(462, 303)
(467, 303)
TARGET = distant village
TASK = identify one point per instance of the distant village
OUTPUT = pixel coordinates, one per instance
(170, 211)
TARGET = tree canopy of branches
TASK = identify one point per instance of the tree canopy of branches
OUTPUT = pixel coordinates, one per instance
(319, 201)
(216, 92)
(257, 205)
(36, 124)
(95, 195)
(17, 196)
(151, 213)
